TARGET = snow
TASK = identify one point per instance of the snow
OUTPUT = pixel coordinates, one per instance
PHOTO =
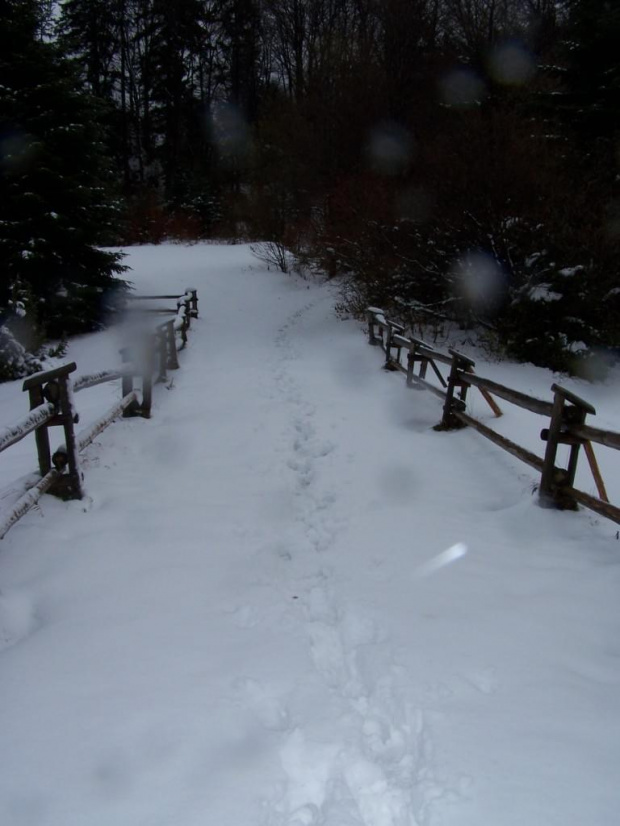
(287, 601)
(543, 292)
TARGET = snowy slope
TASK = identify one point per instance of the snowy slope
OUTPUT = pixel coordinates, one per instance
(246, 623)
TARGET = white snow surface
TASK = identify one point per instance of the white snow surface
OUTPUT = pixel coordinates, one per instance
(287, 601)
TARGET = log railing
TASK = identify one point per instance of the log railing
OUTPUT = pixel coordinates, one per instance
(51, 398)
(567, 414)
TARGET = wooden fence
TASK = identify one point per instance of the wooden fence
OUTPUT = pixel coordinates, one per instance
(566, 413)
(51, 395)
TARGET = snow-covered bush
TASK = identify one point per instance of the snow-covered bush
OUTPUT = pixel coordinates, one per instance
(15, 361)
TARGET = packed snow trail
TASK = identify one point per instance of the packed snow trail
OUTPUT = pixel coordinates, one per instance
(246, 624)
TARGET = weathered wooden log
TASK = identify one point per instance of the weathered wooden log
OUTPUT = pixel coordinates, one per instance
(129, 374)
(411, 361)
(596, 473)
(522, 400)
(548, 491)
(576, 401)
(441, 394)
(41, 436)
(392, 329)
(511, 447)
(594, 504)
(555, 486)
(371, 316)
(155, 310)
(39, 416)
(149, 297)
(86, 436)
(180, 325)
(45, 376)
(595, 434)
(183, 309)
(162, 355)
(488, 398)
(564, 437)
(173, 361)
(148, 368)
(44, 387)
(460, 363)
(436, 371)
(27, 501)
(68, 486)
(193, 301)
(441, 358)
(93, 379)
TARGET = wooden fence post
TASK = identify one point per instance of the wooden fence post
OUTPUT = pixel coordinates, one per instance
(449, 421)
(393, 327)
(41, 434)
(173, 361)
(554, 481)
(53, 386)
(148, 366)
(69, 485)
(422, 359)
(193, 297)
(183, 302)
(411, 360)
(162, 352)
(127, 384)
(370, 316)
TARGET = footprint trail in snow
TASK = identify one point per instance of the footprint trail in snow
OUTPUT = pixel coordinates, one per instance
(366, 763)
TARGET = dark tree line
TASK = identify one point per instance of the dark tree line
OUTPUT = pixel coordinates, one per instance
(449, 159)
(55, 196)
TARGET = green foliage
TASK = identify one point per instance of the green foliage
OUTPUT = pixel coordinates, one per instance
(419, 151)
(55, 205)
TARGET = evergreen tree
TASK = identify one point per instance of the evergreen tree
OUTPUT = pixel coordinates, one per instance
(594, 66)
(54, 204)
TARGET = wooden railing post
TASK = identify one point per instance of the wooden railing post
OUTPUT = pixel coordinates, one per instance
(393, 328)
(183, 307)
(173, 361)
(48, 386)
(69, 485)
(555, 482)
(127, 384)
(370, 316)
(41, 434)
(193, 297)
(53, 386)
(449, 421)
(411, 360)
(180, 324)
(162, 352)
(148, 367)
(422, 359)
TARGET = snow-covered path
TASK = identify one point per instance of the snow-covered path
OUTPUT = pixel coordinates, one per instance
(240, 626)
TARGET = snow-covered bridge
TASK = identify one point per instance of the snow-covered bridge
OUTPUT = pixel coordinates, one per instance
(287, 601)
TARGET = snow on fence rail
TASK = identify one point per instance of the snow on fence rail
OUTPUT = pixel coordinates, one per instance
(51, 404)
(567, 413)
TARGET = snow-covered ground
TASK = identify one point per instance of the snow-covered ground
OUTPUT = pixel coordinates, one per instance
(247, 622)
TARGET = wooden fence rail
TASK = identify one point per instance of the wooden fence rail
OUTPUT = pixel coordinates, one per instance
(567, 414)
(51, 395)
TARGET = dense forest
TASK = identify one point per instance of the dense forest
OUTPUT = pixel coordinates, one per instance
(454, 161)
